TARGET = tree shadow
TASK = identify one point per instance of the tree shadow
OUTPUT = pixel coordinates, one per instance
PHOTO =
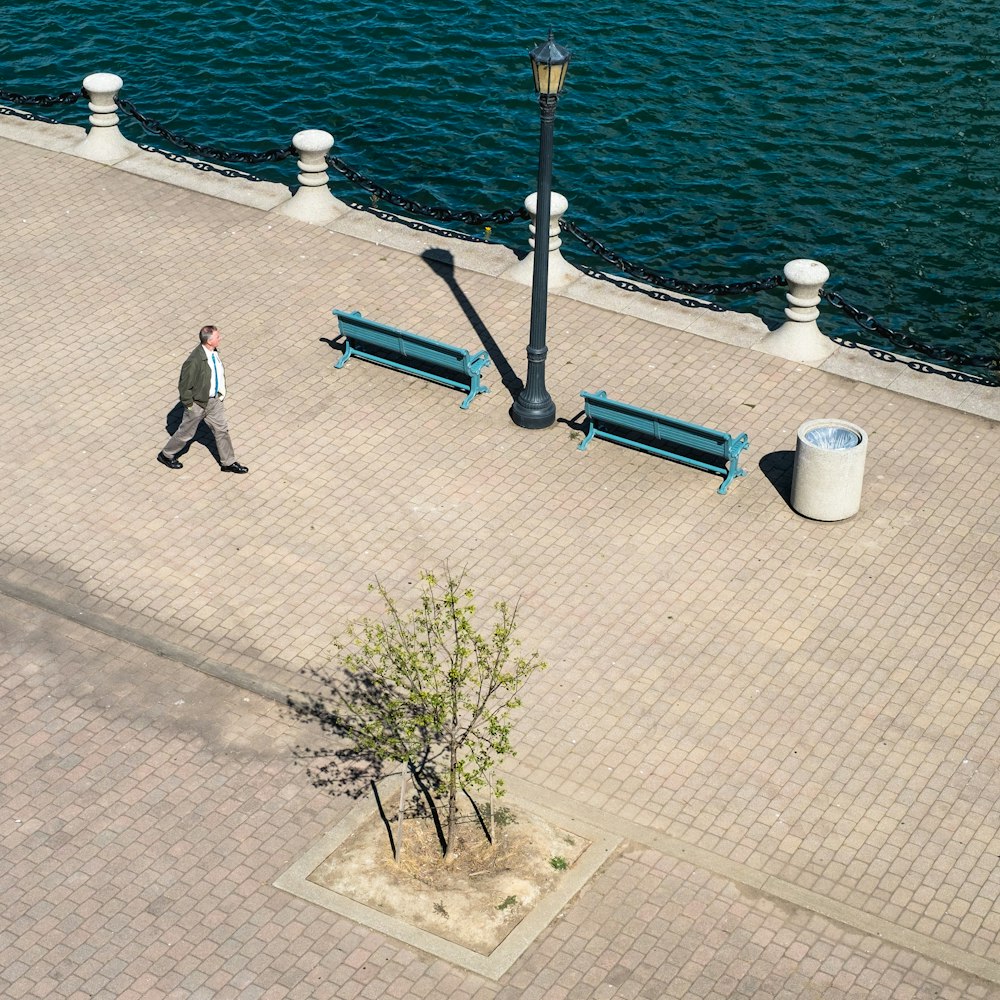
(442, 263)
(480, 818)
(350, 705)
(384, 816)
(203, 435)
(777, 466)
(340, 764)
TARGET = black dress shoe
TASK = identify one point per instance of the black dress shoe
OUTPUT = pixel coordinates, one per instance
(235, 467)
(170, 463)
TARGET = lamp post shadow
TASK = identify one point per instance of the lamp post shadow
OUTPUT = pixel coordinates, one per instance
(443, 265)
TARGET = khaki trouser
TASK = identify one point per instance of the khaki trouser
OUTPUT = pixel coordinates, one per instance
(215, 416)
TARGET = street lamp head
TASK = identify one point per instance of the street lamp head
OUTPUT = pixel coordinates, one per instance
(549, 62)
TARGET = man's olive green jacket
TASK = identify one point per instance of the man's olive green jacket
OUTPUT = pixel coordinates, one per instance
(195, 382)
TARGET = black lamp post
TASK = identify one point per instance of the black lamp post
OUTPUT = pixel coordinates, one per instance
(534, 408)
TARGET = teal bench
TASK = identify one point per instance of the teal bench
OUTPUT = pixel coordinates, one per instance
(408, 352)
(661, 435)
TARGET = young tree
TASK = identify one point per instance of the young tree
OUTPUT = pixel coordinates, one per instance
(427, 690)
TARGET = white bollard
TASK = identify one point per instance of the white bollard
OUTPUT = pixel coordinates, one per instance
(561, 272)
(799, 338)
(313, 201)
(104, 143)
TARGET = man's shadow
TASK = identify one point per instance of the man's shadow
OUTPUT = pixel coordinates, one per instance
(203, 435)
(442, 263)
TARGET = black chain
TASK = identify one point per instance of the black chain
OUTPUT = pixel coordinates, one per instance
(70, 97)
(867, 322)
(28, 116)
(662, 281)
(906, 343)
(436, 212)
(650, 293)
(200, 164)
(209, 152)
(863, 319)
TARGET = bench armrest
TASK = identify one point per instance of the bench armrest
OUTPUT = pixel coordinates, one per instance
(479, 361)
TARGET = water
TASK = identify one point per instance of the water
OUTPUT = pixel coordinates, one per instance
(709, 141)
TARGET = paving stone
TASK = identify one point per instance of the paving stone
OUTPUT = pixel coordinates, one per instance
(818, 702)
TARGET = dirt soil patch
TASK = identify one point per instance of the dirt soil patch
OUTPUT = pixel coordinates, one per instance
(472, 899)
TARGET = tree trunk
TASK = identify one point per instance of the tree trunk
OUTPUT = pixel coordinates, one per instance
(493, 819)
(453, 685)
(432, 808)
(452, 797)
(399, 816)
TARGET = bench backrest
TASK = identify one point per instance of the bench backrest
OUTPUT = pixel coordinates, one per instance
(658, 426)
(407, 345)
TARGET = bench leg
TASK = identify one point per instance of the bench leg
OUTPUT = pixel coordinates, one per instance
(734, 471)
(734, 462)
(474, 391)
(590, 437)
(348, 351)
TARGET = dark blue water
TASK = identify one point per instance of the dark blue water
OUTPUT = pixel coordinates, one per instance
(710, 141)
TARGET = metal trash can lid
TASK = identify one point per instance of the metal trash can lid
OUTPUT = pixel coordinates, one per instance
(832, 438)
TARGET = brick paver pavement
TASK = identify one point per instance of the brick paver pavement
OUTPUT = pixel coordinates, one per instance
(147, 809)
(815, 703)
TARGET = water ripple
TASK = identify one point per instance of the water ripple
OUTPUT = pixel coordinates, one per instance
(714, 141)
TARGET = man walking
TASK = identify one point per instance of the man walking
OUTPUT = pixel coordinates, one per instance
(202, 388)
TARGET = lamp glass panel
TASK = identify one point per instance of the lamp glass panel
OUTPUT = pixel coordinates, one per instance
(549, 77)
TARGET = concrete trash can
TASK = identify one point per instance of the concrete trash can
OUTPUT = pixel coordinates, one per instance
(829, 469)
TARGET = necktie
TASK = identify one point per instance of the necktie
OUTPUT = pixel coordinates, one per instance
(215, 366)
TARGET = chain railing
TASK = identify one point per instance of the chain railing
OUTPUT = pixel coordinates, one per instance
(379, 193)
(904, 342)
(662, 281)
(9, 97)
(196, 149)
(681, 289)
(864, 320)
(70, 97)
(436, 212)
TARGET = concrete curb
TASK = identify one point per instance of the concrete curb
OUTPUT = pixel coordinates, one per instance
(908, 376)
(65, 608)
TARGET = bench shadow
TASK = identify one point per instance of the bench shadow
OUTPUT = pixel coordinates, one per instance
(442, 263)
(203, 435)
(338, 343)
(777, 467)
(578, 422)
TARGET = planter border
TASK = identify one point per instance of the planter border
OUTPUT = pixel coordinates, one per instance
(295, 880)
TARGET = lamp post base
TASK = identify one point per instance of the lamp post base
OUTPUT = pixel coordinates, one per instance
(535, 414)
